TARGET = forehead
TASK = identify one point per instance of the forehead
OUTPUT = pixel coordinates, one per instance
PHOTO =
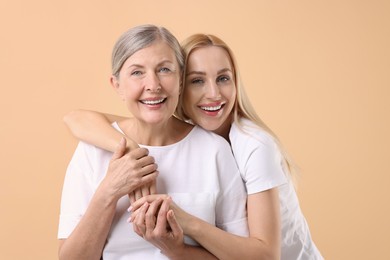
(209, 57)
(156, 52)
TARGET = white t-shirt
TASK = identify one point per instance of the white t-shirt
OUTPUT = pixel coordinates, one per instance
(199, 173)
(260, 163)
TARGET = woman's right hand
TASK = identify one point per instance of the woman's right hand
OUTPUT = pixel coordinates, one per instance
(129, 171)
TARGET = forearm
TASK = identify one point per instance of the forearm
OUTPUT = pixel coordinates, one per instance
(88, 238)
(95, 128)
(191, 252)
(225, 245)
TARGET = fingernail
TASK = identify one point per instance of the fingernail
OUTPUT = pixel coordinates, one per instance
(130, 208)
(129, 220)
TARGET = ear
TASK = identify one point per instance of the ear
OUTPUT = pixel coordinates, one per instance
(117, 87)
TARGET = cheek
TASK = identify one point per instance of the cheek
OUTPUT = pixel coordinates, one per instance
(187, 104)
(231, 94)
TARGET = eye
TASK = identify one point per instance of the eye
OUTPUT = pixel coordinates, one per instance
(223, 78)
(197, 81)
(165, 70)
(136, 73)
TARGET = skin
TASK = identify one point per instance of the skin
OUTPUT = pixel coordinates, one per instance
(210, 90)
(209, 86)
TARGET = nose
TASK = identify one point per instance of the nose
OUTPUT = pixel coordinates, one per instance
(212, 91)
(152, 82)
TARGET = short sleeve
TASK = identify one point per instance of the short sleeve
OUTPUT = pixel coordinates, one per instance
(77, 190)
(263, 169)
(258, 157)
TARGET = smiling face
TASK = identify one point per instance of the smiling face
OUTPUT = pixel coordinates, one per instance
(149, 83)
(210, 92)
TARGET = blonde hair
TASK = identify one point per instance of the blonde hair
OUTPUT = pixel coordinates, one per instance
(140, 37)
(242, 105)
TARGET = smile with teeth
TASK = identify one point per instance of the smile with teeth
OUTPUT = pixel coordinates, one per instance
(211, 108)
(152, 102)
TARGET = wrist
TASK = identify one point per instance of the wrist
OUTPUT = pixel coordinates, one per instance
(106, 195)
(196, 228)
(178, 253)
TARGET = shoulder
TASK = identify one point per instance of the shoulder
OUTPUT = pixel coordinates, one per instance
(209, 137)
(86, 153)
(248, 133)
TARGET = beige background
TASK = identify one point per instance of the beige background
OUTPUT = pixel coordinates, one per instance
(317, 72)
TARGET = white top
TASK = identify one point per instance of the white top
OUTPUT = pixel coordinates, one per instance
(261, 167)
(199, 172)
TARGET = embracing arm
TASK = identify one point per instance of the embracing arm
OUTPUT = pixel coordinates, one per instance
(95, 128)
(264, 226)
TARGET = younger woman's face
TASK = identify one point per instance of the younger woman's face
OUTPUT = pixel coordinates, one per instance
(210, 91)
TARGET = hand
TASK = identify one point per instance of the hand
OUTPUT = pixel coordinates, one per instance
(147, 189)
(156, 223)
(129, 171)
(182, 217)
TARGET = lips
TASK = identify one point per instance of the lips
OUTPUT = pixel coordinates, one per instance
(211, 108)
(153, 101)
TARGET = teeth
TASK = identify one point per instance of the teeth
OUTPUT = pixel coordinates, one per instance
(212, 108)
(152, 102)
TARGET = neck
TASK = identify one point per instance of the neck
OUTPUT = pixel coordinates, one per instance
(224, 129)
(169, 132)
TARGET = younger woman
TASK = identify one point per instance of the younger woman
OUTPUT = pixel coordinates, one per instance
(213, 98)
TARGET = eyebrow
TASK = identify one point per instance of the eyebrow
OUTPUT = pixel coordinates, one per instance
(159, 64)
(204, 73)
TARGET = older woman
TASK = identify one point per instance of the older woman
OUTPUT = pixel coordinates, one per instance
(146, 72)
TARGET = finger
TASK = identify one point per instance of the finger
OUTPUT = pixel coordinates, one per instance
(145, 190)
(153, 188)
(138, 194)
(133, 215)
(150, 216)
(175, 227)
(149, 198)
(139, 221)
(161, 223)
(137, 205)
(120, 149)
(151, 177)
(145, 160)
(139, 153)
(132, 199)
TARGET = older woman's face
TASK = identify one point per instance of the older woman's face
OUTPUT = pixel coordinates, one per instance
(149, 83)
(210, 92)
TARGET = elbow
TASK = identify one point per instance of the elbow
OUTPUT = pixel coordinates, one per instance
(268, 251)
(72, 116)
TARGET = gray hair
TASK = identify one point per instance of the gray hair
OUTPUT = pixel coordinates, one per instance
(140, 37)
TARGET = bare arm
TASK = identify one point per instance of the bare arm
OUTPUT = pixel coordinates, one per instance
(95, 128)
(264, 226)
(88, 238)
(123, 176)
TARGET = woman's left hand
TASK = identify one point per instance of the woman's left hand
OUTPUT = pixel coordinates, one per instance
(156, 223)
